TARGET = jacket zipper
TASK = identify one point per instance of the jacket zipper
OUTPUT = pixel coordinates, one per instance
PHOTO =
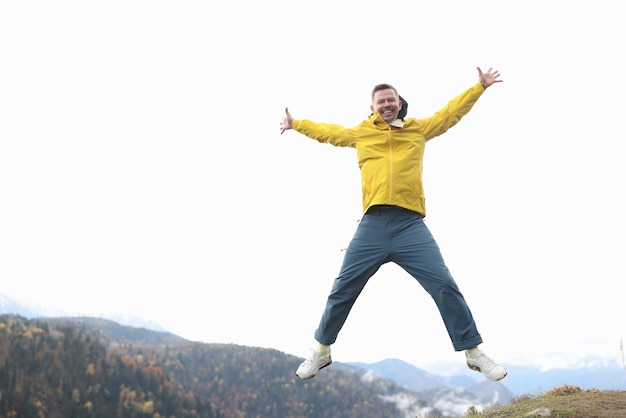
(390, 185)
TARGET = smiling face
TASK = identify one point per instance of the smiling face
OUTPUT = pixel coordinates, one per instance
(387, 103)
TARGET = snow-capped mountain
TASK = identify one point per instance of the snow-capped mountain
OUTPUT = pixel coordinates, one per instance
(31, 310)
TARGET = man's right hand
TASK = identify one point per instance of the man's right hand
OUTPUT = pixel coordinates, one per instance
(287, 120)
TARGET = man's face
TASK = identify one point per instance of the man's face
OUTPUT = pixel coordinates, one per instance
(387, 104)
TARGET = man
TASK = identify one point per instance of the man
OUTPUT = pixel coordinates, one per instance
(390, 152)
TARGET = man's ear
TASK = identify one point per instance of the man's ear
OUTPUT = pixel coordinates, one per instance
(372, 109)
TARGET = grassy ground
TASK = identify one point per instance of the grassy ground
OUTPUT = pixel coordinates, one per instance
(562, 402)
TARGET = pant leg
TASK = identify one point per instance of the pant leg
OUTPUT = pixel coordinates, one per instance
(368, 250)
(415, 250)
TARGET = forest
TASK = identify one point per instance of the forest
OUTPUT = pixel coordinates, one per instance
(87, 367)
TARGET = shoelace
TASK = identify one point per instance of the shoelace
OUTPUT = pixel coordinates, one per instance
(313, 358)
(484, 361)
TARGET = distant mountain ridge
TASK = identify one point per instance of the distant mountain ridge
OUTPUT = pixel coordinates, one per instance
(11, 305)
(31, 310)
(521, 380)
(122, 334)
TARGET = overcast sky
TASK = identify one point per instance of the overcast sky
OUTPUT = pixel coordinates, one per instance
(142, 168)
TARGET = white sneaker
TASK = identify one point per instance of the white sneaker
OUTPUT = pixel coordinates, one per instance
(313, 364)
(483, 364)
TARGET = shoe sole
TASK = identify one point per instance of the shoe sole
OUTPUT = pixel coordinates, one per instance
(318, 370)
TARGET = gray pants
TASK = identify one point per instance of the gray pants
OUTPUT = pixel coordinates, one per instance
(393, 234)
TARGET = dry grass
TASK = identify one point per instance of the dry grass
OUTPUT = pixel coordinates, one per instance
(563, 402)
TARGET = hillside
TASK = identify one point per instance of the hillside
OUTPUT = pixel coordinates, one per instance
(89, 367)
(96, 368)
(563, 402)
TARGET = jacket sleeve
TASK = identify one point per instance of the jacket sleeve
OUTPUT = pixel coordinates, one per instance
(326, 133)
(452, 113)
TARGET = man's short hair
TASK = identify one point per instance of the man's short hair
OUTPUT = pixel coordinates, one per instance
(380, 87)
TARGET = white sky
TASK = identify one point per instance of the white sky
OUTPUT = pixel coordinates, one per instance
(142, 169)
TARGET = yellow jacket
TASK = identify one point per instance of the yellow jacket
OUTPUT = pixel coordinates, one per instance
(390, 155)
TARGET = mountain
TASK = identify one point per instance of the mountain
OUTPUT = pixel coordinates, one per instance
(9, 305)
(593, 374)
(406, 389)
(413, 378)
(597, 374)
(95, 367)
(91, 367)
(453, 395)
